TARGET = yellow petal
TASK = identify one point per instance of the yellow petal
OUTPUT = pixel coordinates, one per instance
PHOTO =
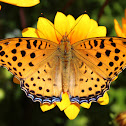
(64, 103)
(81, 29)
(100, 31)
(124, 26)
(124, 29)
(0, 7)
(93, 25)
(71, 22)
(72, 111)
(46, 29)
(22, 3)
(86, 105)
(61, 25)
(46, 106)
(29, 32)
(15, 80)
(118, 29)
(104, 100)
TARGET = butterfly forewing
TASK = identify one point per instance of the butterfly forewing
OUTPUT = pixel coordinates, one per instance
(35, 63)
(106, 56)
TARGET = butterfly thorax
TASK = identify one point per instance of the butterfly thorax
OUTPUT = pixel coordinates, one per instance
(65, 57)
(65, 49)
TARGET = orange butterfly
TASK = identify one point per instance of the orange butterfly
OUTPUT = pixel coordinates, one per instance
(46, 69)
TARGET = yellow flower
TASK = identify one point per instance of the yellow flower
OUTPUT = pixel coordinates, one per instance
(22, 3)
(121, 32)
(81, 28)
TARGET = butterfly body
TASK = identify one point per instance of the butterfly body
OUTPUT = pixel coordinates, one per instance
(46, 69)
(65, 57)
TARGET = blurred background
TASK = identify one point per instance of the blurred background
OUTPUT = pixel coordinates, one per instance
(16, 108)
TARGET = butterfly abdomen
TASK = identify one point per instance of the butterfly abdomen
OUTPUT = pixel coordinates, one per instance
(65, 56)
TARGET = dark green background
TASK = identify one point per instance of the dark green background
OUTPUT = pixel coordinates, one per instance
(15, 108)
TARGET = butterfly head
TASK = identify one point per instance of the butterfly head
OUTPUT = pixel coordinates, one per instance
(65, 38)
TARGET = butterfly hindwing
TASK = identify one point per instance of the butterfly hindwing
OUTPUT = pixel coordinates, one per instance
(87, 85)
(45, 83)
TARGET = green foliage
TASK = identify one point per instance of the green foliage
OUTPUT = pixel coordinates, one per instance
(16, 108)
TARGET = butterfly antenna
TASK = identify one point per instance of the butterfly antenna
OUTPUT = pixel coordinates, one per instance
(54, 27)
(76, 23)
(51, 25)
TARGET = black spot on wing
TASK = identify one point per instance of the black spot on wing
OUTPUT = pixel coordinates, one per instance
(90, 45)
(115, 68)
(28, 44)
(45, 45)
(124, 42)
(20, 40)
(102, 44)
(14, 68)
(14, 58)
(40, 45)
(35, 43)
(48, 64)
(2, 60)
(81, 65)
(40, 88)
(14, 51)
(81, 79)
(84, 45)
(95, 43)
(19, 64)
(116, 58)
(100, 64)
(113, 44)
(111, 64)
(111, 39)
(98, 54)
(31, 64)
(20, 74)
(107, 52)
(1, 47)
(17, 44)
(32, 55)
(82, 90)
(23, 53)
(110, 73)
(45, 71)
(117, 50)
(2, 53)
(121, 63)
(9, 63)
(47, 90)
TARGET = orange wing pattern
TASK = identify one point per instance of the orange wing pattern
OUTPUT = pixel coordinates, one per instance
(34, 62)
(37, 64)
(96, 61)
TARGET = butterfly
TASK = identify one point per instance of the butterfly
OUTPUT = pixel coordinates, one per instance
(46, 69)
